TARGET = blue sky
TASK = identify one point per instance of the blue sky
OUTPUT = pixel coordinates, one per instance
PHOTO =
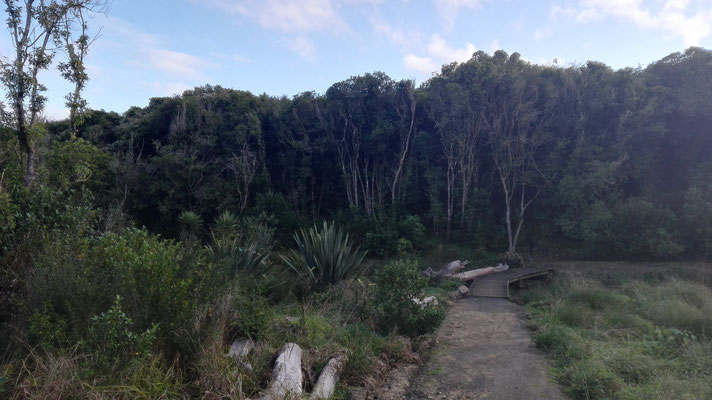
(150, 48)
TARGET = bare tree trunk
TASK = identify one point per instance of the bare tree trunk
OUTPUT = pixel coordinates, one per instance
(508, 215)
(404, 146)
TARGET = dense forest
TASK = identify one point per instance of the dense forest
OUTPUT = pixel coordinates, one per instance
(187, 210)
(495, 152)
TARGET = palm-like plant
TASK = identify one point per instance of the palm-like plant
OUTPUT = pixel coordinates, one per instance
(230, 251)
(324, 256)
(191, 224)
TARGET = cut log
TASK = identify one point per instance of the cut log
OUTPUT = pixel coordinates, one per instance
(286, 374)
(326, 383)
(239, 349)
(449, 271)
(452, 267)
(469, 276)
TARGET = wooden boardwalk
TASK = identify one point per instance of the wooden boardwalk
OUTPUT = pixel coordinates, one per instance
(497, 284)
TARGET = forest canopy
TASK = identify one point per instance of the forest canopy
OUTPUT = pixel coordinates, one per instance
(492, 152)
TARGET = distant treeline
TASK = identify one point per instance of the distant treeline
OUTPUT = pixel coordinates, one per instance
(490, 152)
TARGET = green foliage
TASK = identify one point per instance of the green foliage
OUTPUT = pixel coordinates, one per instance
(191, 224)
(394, 237)
(697, 216)
(324, 256)
(111, 338)
(81, 280)
(586, 380)
(391, 300)
(254, 317)
(76, 163)
(623, 338)
(48, 329)
(633, 228)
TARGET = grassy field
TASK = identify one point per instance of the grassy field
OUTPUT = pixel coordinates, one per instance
(619, 337)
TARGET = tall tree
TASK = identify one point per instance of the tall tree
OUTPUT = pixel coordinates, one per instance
(35, 27)
(514, 129)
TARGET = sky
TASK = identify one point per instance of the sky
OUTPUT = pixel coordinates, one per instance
(153, 48)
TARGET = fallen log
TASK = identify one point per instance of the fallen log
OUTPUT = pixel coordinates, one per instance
(239, 349)
(326, 383)
(449, 271)
(453, 267)
(286, 374)
(469, 276)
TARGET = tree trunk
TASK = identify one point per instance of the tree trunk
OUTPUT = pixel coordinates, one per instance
(328, 378)
(286, 374)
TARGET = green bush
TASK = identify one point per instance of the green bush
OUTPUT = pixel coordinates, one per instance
(382, 243)
(325, 256)
(111, 337)
(78, 280)
(76, 163)
(633, 228)
(254, 317)
(391, 300)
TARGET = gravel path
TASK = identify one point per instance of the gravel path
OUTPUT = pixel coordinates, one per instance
(484, 351)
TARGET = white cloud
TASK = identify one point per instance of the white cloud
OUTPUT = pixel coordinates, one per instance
(290, 16)
(393, 35)
(304, 47)
(438, 53)
(146, 51)
(448, 10)
(673, 17)
(439, 49)
(293, 17)
(425, 65)
(175, 64)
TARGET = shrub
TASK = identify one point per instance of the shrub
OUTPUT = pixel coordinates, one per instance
(382, 242)
(633, 228)
(392, 305)
(111, 337)
(79, 280)
(325, 256)
(254, 316)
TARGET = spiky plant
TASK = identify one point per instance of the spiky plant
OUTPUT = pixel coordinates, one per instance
(191, 223)
(225, 225)
(324, 256)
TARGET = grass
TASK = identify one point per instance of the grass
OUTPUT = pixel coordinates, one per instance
(617, 337)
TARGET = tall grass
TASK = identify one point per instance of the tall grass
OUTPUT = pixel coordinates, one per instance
(625, 338)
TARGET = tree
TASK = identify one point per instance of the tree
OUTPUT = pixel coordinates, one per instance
(36, 26)
(514, 129)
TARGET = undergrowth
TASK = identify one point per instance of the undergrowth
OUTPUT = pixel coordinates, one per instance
(615, 337)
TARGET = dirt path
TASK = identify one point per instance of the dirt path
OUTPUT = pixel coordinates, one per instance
(484, 351)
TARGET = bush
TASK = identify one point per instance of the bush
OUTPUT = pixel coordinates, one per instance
(633, 228)
(392, 305)
(325, 256)
(78, 280)
(254, 317)
(111, 337)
